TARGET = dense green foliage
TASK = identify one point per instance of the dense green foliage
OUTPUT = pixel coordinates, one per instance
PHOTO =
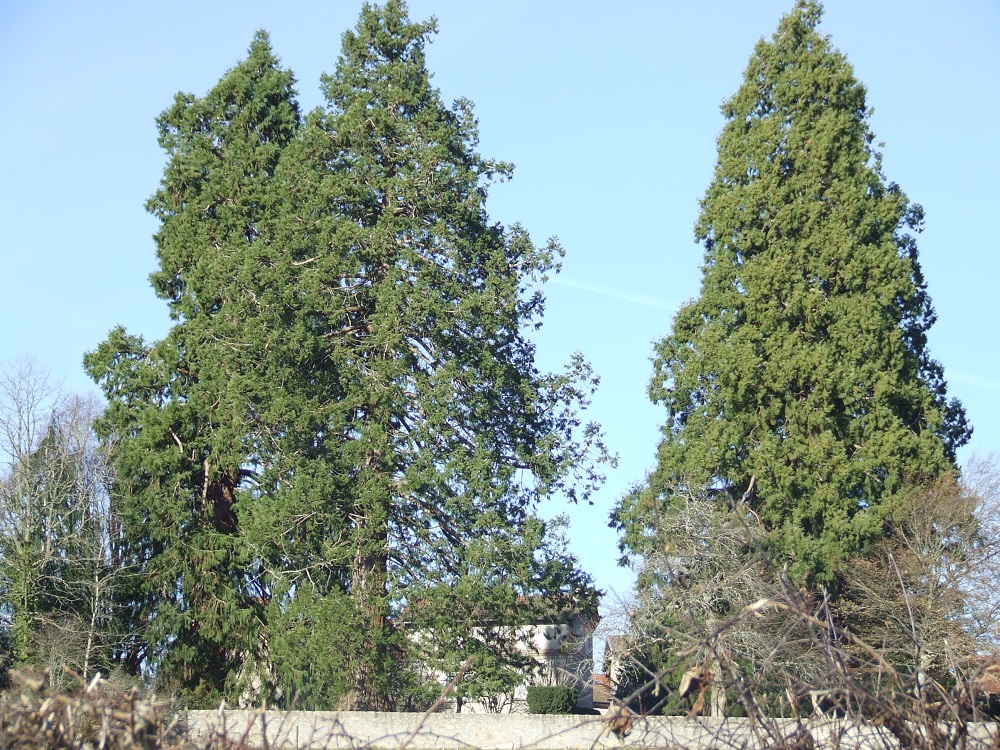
(183, 413)
(329, 467)
(799, 380)
(6, 658)
(557, 699)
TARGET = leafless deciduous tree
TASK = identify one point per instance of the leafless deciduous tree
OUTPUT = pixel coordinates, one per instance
(709, 561)
(902, 645)
(981, 478)
(58, 568)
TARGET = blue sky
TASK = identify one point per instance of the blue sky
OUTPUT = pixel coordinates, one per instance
(610, 113)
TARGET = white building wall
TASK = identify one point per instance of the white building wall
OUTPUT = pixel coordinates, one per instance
(565, 656)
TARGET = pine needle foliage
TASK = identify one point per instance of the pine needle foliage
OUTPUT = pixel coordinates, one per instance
(799, 380)
(345, 426)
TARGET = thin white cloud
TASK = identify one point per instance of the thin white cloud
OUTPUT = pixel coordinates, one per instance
(976, 380)
(615, 292)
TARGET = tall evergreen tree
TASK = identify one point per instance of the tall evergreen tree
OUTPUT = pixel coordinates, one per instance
(443, 432)
(344, 435)
(182, 412)
(799, 380)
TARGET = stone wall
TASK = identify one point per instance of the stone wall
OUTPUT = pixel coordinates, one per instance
(447, 731)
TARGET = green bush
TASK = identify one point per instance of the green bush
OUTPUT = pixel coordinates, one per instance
(6, 658)
(552, 700)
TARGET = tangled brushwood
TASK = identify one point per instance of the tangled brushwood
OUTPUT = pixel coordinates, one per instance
(905, 647)
(98, 716)
(852, 697)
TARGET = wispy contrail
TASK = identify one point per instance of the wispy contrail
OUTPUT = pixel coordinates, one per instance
(617, 293)
(961, 377)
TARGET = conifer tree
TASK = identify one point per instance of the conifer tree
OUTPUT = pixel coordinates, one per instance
(799, 380)
(182, 412)
(441, 431)
(344, 437)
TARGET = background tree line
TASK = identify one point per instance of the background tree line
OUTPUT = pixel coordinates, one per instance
(61, 569)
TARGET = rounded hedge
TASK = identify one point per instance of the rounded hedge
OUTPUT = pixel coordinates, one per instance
(552, 700)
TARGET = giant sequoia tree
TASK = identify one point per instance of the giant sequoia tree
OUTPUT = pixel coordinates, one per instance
(344, 435)
(799, 380)
(181, 412)
(440, 433)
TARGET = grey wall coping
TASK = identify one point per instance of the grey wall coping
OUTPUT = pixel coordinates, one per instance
(448, 731)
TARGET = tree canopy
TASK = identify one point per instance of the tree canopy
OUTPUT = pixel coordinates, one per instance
(799, 380)
(182, 413)
(345, 431)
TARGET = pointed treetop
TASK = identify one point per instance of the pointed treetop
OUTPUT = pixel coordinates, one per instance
(799, 379)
